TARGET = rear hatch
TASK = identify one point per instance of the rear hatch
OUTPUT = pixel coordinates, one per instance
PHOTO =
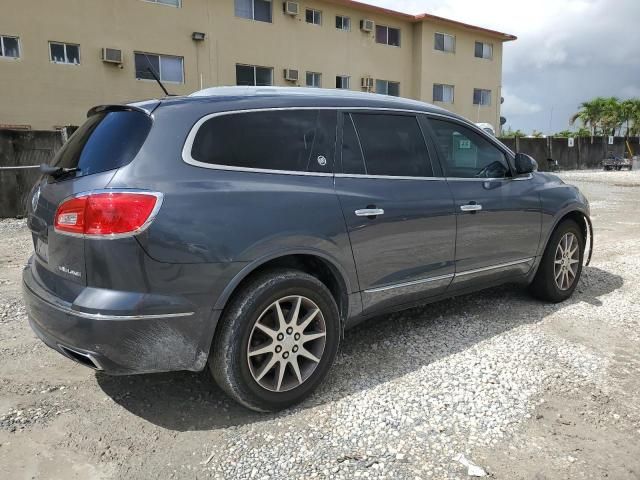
(109, 139)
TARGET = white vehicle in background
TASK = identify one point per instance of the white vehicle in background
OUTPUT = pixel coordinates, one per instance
(487, 127)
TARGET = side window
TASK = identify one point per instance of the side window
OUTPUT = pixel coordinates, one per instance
(392, 145)
(294, 140)
(352, 161)
(467, 154)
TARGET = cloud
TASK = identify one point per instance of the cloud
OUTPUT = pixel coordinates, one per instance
(567, 51)
(514, 105)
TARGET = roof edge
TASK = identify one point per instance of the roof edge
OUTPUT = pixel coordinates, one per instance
(505, 37)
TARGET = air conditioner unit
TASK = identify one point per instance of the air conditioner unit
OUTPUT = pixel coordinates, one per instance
(291, 74)
(291, 8)
(111, 55)
(367, 25)
(367, 82)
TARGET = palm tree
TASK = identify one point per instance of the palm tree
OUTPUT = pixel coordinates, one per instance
(627, 108)
(612, 116)
(590, 114)
(635, 118)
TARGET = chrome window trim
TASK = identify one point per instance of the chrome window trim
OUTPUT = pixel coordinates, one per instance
(450, 275)
(188, 144)
(159, 196)
(387, 177)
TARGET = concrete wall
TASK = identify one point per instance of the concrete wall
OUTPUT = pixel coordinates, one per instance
(584, 154)
(41, 94)
(19, 148)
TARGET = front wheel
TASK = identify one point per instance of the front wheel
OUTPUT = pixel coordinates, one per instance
(276, 341)
(561, 264)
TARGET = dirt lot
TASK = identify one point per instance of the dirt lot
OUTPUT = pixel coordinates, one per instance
(524, 389)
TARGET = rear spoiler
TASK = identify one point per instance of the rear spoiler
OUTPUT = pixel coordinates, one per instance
(147, 107)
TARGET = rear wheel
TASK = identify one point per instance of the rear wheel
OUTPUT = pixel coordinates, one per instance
(276, 340)
(561, 264)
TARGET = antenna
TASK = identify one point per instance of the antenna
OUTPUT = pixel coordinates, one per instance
(153, 74)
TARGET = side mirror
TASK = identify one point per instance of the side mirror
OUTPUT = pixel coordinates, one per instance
(525, 164)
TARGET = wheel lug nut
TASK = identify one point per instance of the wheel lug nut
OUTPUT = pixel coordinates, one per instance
(295, 349)
(289, 330)
(278, 349)
(285, 354)
(280, 336)
(297, 336)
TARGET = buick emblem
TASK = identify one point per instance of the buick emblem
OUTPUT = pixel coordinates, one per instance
(35, 198)
(322, 160)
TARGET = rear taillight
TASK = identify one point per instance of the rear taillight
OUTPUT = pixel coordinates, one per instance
(107, 214)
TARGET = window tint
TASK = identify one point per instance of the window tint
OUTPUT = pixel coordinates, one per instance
(352, 161)
(278, 140)
(392, 145)
(105, 141)
(467, 154)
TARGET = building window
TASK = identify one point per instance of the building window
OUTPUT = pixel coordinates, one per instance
(445, 43)
(442, 93)
(484, 50)
(172, 3)
(343, 82)
(64, 53)
(385, 87)
(313, 16)
(9, 47)
(259, 10)
(388, 35)
(167, 68)
(343, 23)
(481, 97)
(314, 79)
(252, 75)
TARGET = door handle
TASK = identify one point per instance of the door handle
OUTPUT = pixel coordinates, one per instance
(369, 212)
(472, 207)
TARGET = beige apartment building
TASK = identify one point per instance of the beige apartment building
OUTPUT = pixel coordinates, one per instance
(58, 58)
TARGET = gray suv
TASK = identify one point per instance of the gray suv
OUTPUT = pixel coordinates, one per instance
(245, 229)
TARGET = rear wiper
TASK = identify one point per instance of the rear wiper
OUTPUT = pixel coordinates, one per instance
(56, 172)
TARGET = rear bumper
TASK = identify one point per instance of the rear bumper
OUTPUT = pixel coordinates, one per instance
(174, 335)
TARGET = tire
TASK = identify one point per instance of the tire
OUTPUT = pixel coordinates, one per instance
(238, 334)
(544, 285)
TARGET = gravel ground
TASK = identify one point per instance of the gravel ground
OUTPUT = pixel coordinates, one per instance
(521, 388)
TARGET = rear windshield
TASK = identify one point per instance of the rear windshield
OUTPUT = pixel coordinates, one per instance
(106, 141)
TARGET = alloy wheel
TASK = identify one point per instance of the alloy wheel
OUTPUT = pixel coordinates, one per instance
(567, 258)
(286, 343)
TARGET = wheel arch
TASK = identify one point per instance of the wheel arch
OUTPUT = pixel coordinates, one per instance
(581, 217)
(321, 266)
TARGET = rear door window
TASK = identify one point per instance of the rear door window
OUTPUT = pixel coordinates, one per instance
(106, 141)
(287, 140)
(382, 144)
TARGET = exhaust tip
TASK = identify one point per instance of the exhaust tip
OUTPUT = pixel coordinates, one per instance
(82, 358)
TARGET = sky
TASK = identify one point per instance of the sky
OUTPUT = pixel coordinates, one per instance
(567, 52)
